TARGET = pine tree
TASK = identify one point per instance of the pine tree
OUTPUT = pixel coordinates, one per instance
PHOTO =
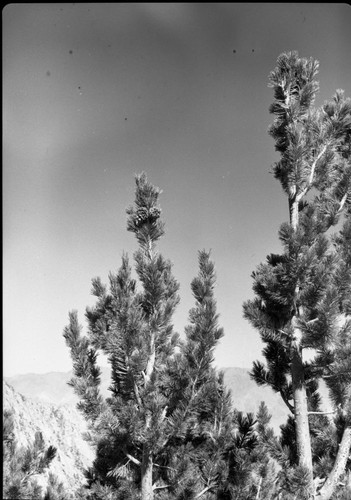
(133, 328)
(303, 295)
(199, 413)
(22, 465)
(265, 466)
(162, 430)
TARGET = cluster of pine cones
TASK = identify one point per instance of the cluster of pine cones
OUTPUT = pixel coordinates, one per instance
(143, 215)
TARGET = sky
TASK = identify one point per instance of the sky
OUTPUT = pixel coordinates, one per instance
(95, 93)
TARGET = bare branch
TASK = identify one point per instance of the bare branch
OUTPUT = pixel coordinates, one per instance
(160, 487)
(164, 467)
(314, 164)
(137, 395)
(204, 491)
(342, 202)
(286, 401)
(321, 412)
(132, 459)
(313, 168)
(312, 321)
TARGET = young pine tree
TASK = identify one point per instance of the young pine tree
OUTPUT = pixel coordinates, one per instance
(22, 465)
(199, 412)
(133, 328)
(303, 295)
(161, 431)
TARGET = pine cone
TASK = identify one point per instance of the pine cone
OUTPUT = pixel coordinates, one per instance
(140, 216)
(154, 213)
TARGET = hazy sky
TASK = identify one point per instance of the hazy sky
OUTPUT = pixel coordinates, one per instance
(94, 93)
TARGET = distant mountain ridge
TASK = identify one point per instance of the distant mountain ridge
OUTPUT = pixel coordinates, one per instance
(52, 388)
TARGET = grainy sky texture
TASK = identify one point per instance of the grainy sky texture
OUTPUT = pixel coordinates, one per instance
(94, 93)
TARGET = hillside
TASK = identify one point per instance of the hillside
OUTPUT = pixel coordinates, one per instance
(61, 427)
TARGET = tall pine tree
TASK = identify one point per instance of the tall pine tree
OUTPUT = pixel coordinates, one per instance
(133, 328)
(303, 295)
(162, 430)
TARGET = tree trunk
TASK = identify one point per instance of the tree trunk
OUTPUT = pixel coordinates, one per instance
(294, 212)
(329, 486)
(302, 430)
(303, 440)
(146, 474)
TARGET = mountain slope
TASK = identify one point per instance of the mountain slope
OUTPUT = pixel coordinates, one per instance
(60, 427)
